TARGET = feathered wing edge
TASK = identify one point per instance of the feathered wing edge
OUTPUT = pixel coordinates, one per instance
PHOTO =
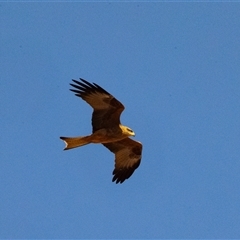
(107, 109)
(128, 155)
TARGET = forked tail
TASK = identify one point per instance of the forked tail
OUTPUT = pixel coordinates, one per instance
(73, 142)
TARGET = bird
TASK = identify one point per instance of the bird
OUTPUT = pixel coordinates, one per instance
(107, 129)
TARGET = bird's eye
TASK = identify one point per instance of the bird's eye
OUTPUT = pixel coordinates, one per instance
(130, 130)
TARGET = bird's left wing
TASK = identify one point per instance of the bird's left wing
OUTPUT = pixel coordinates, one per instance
(128, 155)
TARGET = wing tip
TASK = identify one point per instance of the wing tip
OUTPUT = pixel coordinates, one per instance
(122, 174)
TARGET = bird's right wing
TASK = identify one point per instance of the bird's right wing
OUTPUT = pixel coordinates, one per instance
(107, 109)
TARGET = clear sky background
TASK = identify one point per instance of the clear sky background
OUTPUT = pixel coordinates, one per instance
(175, 67)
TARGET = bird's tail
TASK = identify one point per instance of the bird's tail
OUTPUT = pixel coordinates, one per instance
(73, 142)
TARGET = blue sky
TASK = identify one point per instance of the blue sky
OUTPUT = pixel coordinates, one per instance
(175, 67)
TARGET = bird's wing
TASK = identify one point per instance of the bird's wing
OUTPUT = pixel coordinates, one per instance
(128, 155)
(106, 108)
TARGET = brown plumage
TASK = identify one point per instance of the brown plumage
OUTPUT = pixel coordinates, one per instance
(107, 129)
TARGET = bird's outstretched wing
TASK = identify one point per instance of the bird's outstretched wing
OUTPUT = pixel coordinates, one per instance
(128, 155)
(106, 108)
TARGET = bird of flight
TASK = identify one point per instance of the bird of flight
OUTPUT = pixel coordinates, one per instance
(107, 129)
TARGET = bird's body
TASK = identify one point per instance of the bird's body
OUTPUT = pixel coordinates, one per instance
(104, 135)
(107, 129)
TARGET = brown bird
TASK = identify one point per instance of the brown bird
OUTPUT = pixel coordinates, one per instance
(107, 129)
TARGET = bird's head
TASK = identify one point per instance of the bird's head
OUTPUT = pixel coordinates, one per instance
(127, 131)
